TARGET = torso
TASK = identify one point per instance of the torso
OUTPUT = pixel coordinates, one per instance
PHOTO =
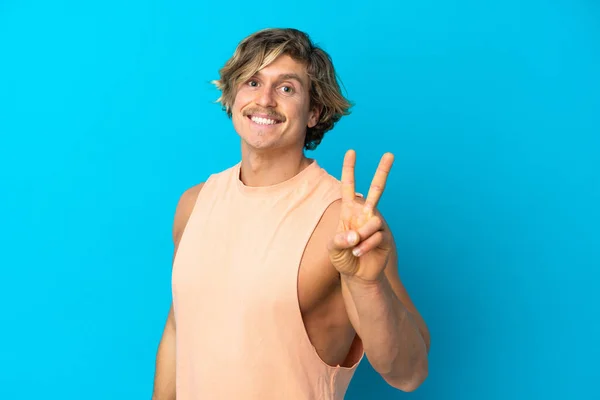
(319, 289)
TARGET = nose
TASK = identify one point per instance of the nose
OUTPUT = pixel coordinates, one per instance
(265, 97)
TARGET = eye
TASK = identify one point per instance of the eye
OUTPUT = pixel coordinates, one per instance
(252, 83)
(287, 89)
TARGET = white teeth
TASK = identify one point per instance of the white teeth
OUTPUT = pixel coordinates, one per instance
(263, 121)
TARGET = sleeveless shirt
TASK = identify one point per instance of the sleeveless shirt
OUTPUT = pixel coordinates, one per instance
(239, 329)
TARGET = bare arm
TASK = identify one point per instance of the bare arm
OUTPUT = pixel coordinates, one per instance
(395, 288)
(393, 333)
(164, 375)
(395, 337)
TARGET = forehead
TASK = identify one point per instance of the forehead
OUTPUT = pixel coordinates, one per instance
(285, 65)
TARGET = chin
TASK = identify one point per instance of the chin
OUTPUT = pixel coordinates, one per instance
(260, 139)
(260, 143)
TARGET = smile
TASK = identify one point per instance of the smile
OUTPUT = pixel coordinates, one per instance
(263, 120)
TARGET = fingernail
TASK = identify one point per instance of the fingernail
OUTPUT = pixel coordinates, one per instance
(356, 252)
(352, 237)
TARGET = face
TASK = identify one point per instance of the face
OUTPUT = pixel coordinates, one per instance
(272, 109)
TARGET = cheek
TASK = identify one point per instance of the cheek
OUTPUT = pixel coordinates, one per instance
(239, 103)
(295, 109)
(242, 97)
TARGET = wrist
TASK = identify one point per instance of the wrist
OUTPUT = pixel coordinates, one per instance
(357, 280)
(360, 287)
(378, 289)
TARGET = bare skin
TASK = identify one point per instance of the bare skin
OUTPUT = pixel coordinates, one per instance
(270, 155)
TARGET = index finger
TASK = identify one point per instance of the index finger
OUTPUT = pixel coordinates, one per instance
(348, 193)
(379, 180)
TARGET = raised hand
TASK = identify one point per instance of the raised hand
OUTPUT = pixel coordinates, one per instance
(362, 244)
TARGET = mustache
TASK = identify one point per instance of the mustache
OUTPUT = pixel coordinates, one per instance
(270, 113)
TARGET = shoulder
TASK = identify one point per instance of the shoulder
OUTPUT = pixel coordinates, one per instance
(333, 191)
(331, 216)
(184, 209)
(329, 220)
(335, 186)
(187, 200)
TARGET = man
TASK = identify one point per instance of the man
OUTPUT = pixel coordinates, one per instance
(284, 277)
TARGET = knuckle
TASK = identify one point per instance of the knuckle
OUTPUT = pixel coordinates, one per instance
(377, 221)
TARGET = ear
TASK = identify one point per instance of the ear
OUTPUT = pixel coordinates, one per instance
(314, 115)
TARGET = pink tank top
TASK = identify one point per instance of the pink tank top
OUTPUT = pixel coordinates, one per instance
(240, 333)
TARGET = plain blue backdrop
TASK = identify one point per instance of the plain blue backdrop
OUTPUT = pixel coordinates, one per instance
(492, 110)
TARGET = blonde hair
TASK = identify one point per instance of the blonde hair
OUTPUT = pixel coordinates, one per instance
(260, 49)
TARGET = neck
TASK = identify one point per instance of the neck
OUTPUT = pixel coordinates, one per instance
(269, 168)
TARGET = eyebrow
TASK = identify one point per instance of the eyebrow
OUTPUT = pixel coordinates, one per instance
(290, 76)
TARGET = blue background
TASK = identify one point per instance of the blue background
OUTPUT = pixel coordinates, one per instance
(492, 110)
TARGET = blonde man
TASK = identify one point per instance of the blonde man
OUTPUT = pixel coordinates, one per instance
(283, 277)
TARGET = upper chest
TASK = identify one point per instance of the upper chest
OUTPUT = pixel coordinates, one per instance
(265, 253)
